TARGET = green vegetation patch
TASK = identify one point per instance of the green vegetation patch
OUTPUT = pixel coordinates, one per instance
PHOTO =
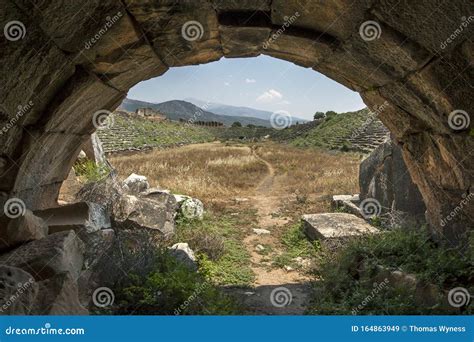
(88, 171)
(296, 245)
(217, 241)
(171, 288)
(333, 131)
(342, 287)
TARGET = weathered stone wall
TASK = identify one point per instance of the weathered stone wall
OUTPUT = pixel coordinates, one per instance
(76, 58)
(383, 177)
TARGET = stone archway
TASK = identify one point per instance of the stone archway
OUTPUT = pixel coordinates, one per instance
(412, 62)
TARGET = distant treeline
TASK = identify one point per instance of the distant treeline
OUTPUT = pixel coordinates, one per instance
(202, 123)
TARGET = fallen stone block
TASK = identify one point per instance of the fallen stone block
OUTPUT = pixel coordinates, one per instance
(335, 225)
(56, 253)
(348, 203)
(26, 228)
(82, 217)
(146, 213)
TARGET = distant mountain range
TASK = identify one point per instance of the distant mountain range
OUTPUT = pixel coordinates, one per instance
(201, 111)
(222, 109)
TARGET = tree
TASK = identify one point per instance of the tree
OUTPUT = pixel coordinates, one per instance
(236, 124)
(318, 116)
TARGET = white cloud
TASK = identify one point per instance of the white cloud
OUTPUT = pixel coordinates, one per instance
(284, 102)
(269, 96)
(250, 80)
(226, 84)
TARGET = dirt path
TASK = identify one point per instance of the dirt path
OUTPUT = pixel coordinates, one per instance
(273, 287)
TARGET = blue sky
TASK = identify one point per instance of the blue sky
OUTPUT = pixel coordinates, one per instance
(262, 82)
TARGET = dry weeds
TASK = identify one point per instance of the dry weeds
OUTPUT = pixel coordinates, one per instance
(217, 173)
(209, 172)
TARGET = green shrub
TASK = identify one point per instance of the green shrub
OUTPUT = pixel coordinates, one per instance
(171, 288)
(88, 171)
(217, 242)
(296, 245)
(346, 146)
(342, 287)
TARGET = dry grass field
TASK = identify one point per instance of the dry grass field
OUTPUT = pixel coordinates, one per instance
(216, 172)
(210, 172)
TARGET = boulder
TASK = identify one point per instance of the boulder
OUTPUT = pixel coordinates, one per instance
(384, 176)
(26, 228)
(82, 216)
(157, 194)
(44, 258)
(135, 184)
(70, 188)
(184, 254)
(106, 192)
(149, 212)
(335, 225)
(58, 295)
(18, 291)
(191, 208)
(102, 263)
(151, 208)
(96, 244)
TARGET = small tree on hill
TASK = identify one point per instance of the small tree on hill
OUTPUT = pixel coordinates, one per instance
(318, 116)
(236, 124)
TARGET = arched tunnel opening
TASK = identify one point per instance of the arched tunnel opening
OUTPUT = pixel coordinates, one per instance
(66, 68)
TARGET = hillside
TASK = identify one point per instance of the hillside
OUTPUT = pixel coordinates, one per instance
(176, 109)
(130, 132)
(347, 131)
(223, 109)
